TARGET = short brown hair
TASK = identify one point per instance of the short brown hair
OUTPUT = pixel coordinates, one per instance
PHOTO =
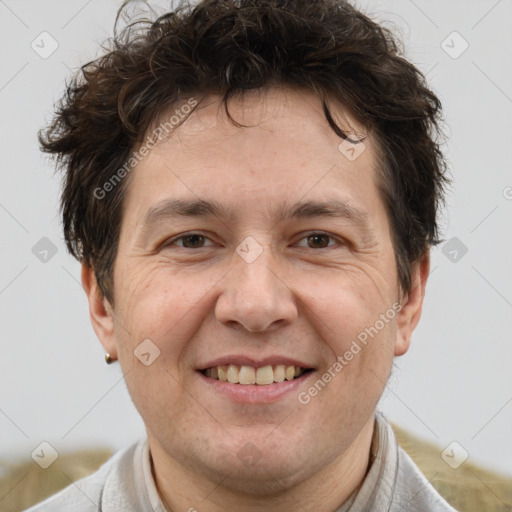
(225, 47)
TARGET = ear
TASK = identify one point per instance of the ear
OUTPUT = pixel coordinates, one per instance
(100, 311)
(412, 303)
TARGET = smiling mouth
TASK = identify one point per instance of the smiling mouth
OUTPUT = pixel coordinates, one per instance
(246, 375)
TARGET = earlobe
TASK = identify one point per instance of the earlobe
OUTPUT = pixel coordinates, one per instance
(412, 303)
(100, 311)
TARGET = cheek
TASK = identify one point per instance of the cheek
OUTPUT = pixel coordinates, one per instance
(158, 394)
(157, 318)
(348, 303)
(359, 371)
(358, 326)
(164, 305)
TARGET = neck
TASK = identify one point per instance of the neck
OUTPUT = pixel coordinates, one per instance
(323, 490)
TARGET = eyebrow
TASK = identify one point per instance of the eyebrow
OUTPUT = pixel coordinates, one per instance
(169, 209)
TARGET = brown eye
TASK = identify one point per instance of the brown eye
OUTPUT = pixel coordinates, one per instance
(192, 241)
(318, 240)
(189, 241)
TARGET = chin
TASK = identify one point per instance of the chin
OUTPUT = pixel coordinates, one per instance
(268, 477)
(258, 465)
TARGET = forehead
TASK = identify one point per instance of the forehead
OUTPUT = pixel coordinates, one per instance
(265, 107)
(284, 148)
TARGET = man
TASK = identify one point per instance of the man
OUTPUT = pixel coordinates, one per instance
(252, 190)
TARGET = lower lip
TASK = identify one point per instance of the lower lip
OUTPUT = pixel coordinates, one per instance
(254, 393)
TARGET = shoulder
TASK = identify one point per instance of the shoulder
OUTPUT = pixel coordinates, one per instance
(88, 494)
(466, 487)
(414, 491)
(411, 489)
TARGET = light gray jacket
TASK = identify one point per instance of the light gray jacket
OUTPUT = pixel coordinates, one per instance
(125, 484)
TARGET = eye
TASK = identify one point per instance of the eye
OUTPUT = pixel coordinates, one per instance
(318, 240)
(189, 241)
(315, 240)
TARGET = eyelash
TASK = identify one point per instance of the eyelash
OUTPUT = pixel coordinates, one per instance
(172, 241)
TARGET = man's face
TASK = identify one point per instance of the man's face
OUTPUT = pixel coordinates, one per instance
(256, 288)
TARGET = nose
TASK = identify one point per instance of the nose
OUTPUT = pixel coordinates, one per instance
(256, 295)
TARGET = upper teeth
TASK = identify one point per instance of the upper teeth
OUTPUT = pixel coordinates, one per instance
(237, 374)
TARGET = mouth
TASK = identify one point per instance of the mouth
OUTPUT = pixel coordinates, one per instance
(260, 376)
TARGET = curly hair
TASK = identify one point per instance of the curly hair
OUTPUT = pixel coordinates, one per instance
(225, 47)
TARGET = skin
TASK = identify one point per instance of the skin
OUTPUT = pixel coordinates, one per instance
(199, 301)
